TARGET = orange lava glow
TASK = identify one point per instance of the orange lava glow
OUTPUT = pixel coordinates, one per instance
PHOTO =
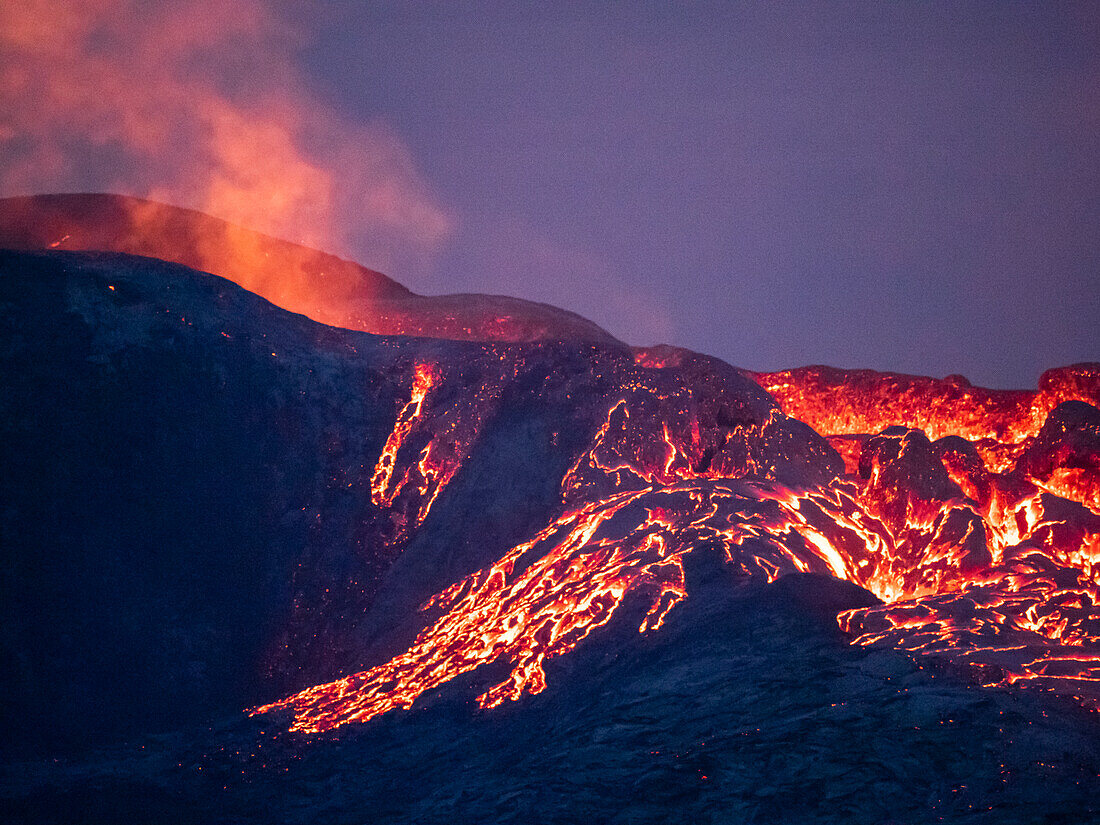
(382, 491)
(298, 278)
(972, 514)
(981, 565)
(845, 402)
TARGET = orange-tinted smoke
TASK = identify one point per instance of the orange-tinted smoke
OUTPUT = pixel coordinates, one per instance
(200, 104)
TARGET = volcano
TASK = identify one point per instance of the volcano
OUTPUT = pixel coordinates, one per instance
(286, 542)
(294, 277)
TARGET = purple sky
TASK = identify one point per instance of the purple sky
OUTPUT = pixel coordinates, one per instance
(901, 186)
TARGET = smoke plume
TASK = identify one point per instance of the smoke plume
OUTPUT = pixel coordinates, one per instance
(201, 105)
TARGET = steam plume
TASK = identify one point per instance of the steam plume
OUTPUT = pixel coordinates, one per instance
(200, 104)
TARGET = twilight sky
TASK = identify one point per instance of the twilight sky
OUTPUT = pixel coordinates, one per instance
(902, 186)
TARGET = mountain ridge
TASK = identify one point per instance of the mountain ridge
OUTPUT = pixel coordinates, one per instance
(627, 576)
(322, 286)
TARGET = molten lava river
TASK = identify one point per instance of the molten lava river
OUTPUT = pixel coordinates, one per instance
(971, 514)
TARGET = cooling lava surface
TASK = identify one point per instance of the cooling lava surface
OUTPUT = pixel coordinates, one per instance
(261, 569)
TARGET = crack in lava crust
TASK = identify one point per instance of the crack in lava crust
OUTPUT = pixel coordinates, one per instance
(971, 561)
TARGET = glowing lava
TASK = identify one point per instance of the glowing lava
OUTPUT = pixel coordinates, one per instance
(382, 491)
(980, 565)
(973, 514)
(843, 402)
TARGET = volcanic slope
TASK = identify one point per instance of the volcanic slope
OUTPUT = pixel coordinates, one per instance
(322, 286)
(584, 569)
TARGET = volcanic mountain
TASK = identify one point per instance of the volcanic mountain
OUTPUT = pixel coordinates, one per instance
(265, 569)
(294, 277)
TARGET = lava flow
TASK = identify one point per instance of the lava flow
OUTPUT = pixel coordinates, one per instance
(383, 490)
(839, 402)
(995, 566)
(972, 514)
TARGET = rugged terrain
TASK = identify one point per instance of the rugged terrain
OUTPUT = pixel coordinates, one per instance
(265, 569)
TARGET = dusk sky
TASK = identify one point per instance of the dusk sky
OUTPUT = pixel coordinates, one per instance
(900, 186)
